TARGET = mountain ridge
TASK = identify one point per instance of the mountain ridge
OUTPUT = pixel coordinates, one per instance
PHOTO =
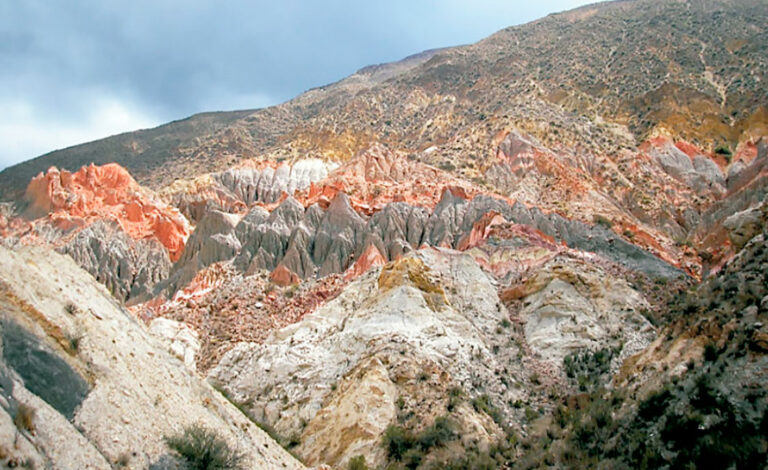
(547, 248)
(282, 130)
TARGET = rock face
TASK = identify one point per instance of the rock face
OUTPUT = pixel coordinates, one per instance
(480, 246)
(236, 189)
(697, 171)
(718, 230)
(431, 308)
(436, 314)
(571, 306)
(267, 185)
(317, 242)
(108, 192)
(181, 340)
(376, 176)
(117, 231)
(128, 268)
(101, 388)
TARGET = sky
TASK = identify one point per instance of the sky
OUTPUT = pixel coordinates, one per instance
(78, 70)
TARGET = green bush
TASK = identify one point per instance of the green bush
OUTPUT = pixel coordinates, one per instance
(723, 150)
(398, 441)
(403, 446)
(602, 220)
(357, 463)
(483, 404)
(589, 369)
(441, 432)
(203, 449)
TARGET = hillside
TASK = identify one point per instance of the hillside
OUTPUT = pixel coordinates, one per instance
(545, 249)
(596, 79)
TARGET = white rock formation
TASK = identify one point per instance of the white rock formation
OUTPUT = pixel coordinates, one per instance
(110, 388)
(571, 306)
(180, 339)
(432, 307)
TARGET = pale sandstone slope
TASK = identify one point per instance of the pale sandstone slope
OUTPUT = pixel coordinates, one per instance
(101, 385)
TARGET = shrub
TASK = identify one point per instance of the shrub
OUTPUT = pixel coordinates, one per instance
(71, 308)
(710, 352)
(24, 418)
(723, 150)
(409, 449)
(73, 341)
(203, 449)
(483, 404)
(589, 369)
(602, 220)
(398, 441)
(357, 463)
(437, 435)
(455, 397)
(291, 290)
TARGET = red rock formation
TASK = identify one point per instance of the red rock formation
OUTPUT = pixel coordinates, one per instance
(480, 230)
(371, 257)
(72, 200)
(377, 176)
(283, 276)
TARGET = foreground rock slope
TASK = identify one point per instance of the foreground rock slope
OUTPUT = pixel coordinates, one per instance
(100, 388)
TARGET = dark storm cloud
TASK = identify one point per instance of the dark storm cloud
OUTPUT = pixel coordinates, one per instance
(79, 69)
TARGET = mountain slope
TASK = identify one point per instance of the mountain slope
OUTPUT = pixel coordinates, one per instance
(142, 151)
(693, 70)
(102, 390)
(543, 249)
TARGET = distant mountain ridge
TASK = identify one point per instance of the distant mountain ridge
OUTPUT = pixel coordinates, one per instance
(690, 69)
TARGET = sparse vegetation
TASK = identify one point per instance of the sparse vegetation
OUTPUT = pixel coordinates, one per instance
(483, 404)
(290, 291)
(589, 369)
(286, 442)
(24, 419)
(403, 446)
(455, 397)
(357, 463)
(203, 449)
(73, 341)
(599, 219)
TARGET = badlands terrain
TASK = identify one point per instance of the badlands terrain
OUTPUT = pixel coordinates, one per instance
(543, 250)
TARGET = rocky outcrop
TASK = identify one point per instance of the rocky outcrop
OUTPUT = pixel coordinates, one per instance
(72, 200)
(697, 171)
(268, 184)
(433, 313)
(317, 242)
(747, 188)
(341, 375)
(129, 268)
(514, 158)
(376, 176)
(97, 389)
(570, 306)
(181, 340)
(745, 225)
(236, 189)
